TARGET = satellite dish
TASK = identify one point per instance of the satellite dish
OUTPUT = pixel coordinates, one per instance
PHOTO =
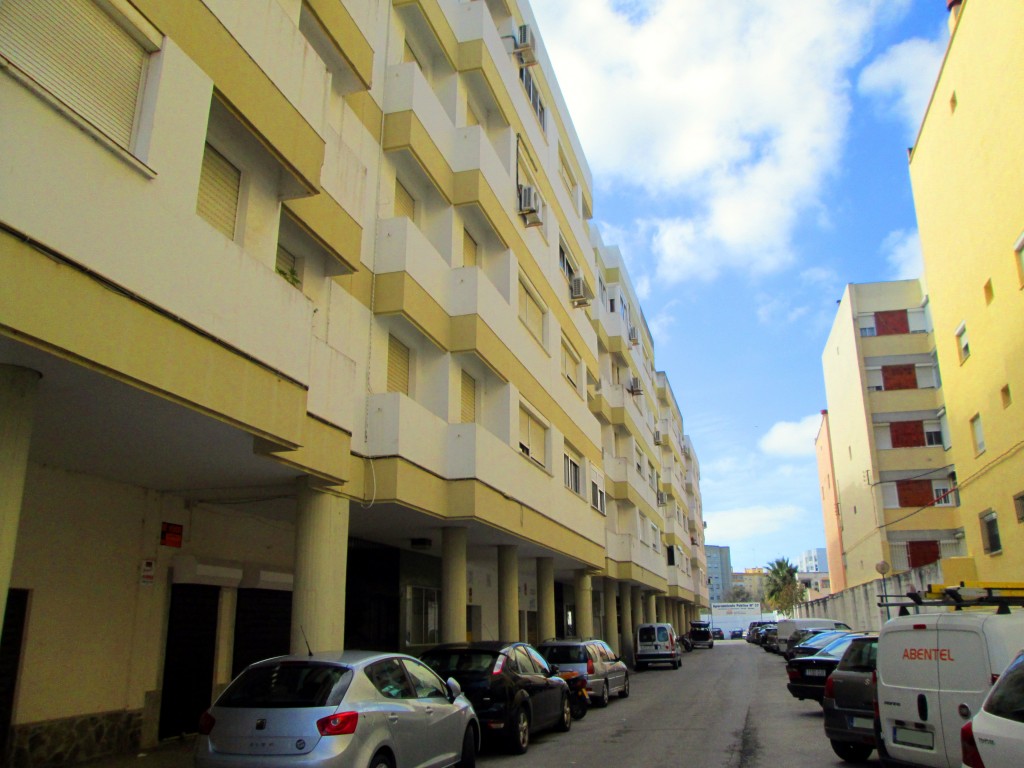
(882, 567)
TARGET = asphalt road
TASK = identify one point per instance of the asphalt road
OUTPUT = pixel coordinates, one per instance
(727, 707)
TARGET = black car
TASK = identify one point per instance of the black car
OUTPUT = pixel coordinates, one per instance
(807, 674)
(736, 634)
(812, 643)
(849, 701)
(700, 634)
(717, 633)
(514, 691)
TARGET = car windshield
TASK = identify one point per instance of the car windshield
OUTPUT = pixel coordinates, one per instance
(1007, 697)
(564, 654)
(288, 684)
(445, 661)
(835, 649)
(822, 639)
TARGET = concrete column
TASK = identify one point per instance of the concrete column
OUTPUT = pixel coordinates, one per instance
(224, 652)
(584, 604)
(650, 608)
(626, 616)
(545, 597)
(454, 593)
(508, 592)
(611, 618)
(321, 559)
(638, 607)
(18, 388)
(659, 605)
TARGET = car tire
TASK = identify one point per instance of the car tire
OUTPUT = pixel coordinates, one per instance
(624, 693)
(602, 700)
(640, 666)
(676, 664)
(467, 758)
(381, 760)
(519, 735)
(851, 751)
(565, 721)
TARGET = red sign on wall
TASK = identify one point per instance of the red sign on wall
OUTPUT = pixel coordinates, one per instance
(171, 534)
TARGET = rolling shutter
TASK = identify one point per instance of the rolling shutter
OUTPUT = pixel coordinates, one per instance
(398, 366)
(219, 184)
(468, 398)
(530, 312)
(404, 203)
(81, 56)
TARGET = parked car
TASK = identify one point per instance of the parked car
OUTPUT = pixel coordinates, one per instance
(656, 644)
(995, 737)
(605, 672)
(700, 634)
(788, 626)
(814, 643)
(807, 674)
(514, 691)
(769, 640)
(849, 701)
(717, 633)
(755, 629)
(736, 634)
(293, 710)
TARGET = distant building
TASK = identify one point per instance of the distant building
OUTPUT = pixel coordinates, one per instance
(719, 572)
(817, 583)
(752, 580)
(813, 560)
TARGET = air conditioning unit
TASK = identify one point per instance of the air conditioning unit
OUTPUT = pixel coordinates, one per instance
(662, 499)
(634, 336)
(530, 206)
(579, 293)
(634, 387)
(658, 439)
(526, 46)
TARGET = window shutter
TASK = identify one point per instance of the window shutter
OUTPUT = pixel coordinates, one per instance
(530, 312)
(398, 366)
(468, 398)
(468, 250)
(405, 205)
(219, 184)
(81, 56)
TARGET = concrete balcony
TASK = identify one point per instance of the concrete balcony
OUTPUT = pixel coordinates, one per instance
(924, 458)
(897, 400)
(627, 548)
(399, 426)
(897, 344)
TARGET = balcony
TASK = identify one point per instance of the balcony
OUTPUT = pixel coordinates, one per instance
(627, 548)
(897, 344)
(947, 548)
(897, 400)
(923, 457)
(399, 426)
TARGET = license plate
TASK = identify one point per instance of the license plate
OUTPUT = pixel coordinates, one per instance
(914, 738)
(862, 722)
(815, 673)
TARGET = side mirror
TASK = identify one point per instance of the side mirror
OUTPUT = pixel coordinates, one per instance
(552, 670)
(454, 689)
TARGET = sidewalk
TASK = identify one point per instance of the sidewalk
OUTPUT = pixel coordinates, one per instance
(176, 753)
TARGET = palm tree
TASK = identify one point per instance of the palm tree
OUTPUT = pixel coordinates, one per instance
(782, 590)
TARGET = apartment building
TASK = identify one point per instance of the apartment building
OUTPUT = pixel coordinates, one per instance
(966, 170)
(830, 505)
(306, 338)
(719, 573)
(889, 459)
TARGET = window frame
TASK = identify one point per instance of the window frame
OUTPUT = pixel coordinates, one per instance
(531, 448)
(989, 521)
(572, 474)
(977, 434)
(528, 298)
(963, 342)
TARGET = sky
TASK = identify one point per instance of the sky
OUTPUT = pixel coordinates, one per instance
(749, 157)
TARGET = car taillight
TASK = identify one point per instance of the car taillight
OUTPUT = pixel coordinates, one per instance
(206, 723)
(793, 673)
(995, 676)
(830, 690)
(498, 665)
(969, 747)
(590, 666)
(339, 724)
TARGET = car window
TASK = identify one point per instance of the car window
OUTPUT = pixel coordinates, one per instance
(662, 634)
(835, 649)
(447, 662)
(288, 684)
(427, 684)
(593, 653)
(538, 661)
(646, 634)
(563, 654)
(389, 678)
(860, 656)
(523, 663)
(607, 652)
(1007, 697)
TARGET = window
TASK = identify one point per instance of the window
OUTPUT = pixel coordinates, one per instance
(655, 537)
(405, 205)
(639, 458)
(531, 313)
(944, 496)
(219, 187)
(571, 470)
(570, 363)
(962, 342)
(287, 266)
(566, 263)
(1005, 396)
(1018, 505)
(424, 607)
(990, 532)
(989, 293)
(389, 678)
(932, 433)
(398, 366)
(77, 54)
(532, 93)
(651, 475)
(532, 437)
(427, 684)
(597, 498)
(468, 249)
(468, 399)
(978, 434)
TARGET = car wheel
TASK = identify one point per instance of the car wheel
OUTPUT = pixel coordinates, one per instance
(602, 700)
(624, 693)
(852, 752)
(640, 666)
(519, 736)
(468, 755)
(565, 721)
(381, 760)
(676, 664)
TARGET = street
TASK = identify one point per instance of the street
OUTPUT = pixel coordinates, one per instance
(727, 707)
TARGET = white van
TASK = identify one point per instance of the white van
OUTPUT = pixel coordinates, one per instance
(788, 626)
(934, 671)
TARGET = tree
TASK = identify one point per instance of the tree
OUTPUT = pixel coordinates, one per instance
(782, 590)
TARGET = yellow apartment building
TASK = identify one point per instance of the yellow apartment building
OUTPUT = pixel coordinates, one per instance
(305, 335)
(888, 478)
(967, 173)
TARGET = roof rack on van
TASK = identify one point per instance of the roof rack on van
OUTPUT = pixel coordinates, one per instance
(1000, 595)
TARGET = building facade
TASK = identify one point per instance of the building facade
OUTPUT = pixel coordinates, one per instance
(893, 473)
(305, 336)
(813, 560)
(719, 573)
(966, 170)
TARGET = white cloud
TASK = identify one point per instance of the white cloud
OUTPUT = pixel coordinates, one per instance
(661, 324)
(900, 80)
(902, 251)
(791, 438)
(738, 115)
(756, 522)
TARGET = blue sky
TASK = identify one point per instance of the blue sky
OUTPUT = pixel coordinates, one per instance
(750, 160)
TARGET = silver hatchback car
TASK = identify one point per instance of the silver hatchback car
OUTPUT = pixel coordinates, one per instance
(356, 709)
